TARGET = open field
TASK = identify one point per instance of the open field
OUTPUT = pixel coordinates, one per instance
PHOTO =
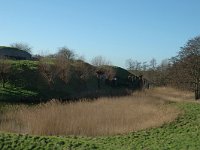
(183, 133)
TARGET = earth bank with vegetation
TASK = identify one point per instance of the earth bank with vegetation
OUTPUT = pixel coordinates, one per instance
(26, 82)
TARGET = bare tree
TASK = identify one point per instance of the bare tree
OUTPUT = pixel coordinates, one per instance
(55, 68)
(110, 72)
(47, 69)
(100, 61)
(153, 63)
(82, 72)
(138, 66)
(66, 52)
(131, 64)
(135, 65)
(187, 65)
(5, 67)
(144, 66)
(164, 64)
(62, 68)
(22, 46)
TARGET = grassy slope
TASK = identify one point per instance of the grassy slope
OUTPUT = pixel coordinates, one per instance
(182, 134)
(10, 93)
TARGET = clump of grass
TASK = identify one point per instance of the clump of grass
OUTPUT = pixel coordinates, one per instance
(105, 116)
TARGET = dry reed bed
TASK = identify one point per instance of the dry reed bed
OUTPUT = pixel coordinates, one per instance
(171, 94)
(105, 116)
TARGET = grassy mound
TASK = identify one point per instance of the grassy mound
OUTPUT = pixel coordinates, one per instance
(25, 83)
(14, 53)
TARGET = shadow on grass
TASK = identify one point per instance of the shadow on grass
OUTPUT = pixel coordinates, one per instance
(10, 94)
(13, 94)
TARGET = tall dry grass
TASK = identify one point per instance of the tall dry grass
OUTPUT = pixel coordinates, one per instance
(105, 116)
(171, 94)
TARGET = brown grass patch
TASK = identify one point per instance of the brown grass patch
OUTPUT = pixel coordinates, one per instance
(105, 116)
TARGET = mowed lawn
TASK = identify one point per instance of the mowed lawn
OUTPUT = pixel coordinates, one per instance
(183, 133)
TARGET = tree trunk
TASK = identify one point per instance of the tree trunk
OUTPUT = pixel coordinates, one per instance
(3, 82)
(99, 84)
(197, 92)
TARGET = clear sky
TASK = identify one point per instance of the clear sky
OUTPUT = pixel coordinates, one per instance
(115, 29)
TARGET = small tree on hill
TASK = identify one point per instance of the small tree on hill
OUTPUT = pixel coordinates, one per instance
(66, 53)
(100, 61)
(22, 46)
(5, 67)
(135, 66)
(83, 70)
(62, 68)
(47, 69)
(109, 72)
(55, 68)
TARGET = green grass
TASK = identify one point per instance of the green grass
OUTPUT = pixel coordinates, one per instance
(18, 64)
(11, 94)
(182, 134)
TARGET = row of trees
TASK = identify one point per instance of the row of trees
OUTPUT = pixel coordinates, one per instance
(152, 71)
(141, 66)
(181, 71)
(185, 67)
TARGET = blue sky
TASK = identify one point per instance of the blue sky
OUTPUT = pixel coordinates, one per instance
(115, 29)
